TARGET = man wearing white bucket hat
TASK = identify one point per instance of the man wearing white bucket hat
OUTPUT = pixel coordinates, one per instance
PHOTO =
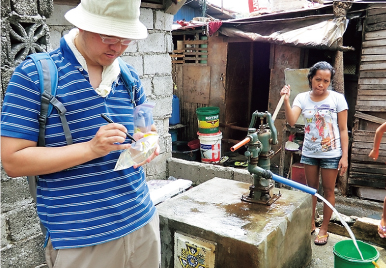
(94, 216)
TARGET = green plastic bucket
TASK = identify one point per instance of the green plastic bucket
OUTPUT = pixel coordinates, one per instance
(208, 119)
(346, 255)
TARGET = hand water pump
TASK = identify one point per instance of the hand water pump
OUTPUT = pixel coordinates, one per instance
(259, 153)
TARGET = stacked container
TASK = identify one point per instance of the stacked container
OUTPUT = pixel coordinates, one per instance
(209, 134)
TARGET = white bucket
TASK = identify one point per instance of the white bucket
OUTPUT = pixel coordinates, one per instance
(210, 147)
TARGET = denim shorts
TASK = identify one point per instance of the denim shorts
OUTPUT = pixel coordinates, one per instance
(329, 163)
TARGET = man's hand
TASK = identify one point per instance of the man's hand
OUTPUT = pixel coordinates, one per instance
(108, 138)
(138, 136)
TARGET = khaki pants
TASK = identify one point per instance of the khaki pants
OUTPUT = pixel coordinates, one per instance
(140, 249)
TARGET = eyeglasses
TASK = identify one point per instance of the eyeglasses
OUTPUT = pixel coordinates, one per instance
(113, 40)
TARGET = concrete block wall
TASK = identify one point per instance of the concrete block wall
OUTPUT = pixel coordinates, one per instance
(201, 172)
(21, 238)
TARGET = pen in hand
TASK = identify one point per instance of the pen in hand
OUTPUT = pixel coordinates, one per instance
(111, 121)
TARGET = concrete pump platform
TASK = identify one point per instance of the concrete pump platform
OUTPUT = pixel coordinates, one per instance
(209, 226)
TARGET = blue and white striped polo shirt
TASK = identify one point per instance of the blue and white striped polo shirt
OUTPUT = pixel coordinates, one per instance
(91, 203)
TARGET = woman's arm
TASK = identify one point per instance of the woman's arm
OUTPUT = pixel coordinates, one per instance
(342, 124)
(291, 114)
(377, 141)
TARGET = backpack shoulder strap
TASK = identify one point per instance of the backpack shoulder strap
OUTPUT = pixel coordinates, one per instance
(48, 79)
(127, 79)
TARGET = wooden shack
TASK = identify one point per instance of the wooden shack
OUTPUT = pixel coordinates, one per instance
(370, 109)
(241, 75)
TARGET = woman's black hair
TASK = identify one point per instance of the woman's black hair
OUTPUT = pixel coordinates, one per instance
(321, 65)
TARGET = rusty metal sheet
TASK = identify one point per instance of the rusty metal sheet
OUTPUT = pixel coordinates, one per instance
(196, 84)
(313, 31)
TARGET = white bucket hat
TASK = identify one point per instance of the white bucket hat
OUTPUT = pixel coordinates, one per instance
(110, 17)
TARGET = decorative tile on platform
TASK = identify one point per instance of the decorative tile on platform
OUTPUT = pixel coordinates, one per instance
(193, 252)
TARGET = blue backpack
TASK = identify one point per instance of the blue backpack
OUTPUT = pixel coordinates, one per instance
(48, 79)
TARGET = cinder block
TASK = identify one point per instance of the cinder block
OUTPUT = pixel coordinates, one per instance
(135, 61)
(57, 18)
(132, 48)
(169, 43)
(183, 169)
(22, 9)
(24, 254)
(154, 43)
(156, 169)
(13, 191)
(163, 85)
(163, 107)
(146, 18)
(4, 231)
(147, 86)
(242, 175)
(207, 172)
(157, 64)
(163, 21)
(55, 35)
(23, 222)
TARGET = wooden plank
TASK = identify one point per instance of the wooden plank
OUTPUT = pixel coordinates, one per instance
(373, 57)
(371, 103)
(363, 153)
(379, 73)
(375, 35)
(371, 11)
(369, 117)
(196, 42)
(374, 43)
(375, 11)
(177, 55)
(372, 81)
(376, 18)
(373, 66)
(196, 84)
(368, 146)
(371, 87)
(371, 98)
(365, 158)
(194, 59)
(152, 6)
(197, 53)
(375, 27)
(375, 167)
(189, 49)
(366, 108)
(372, 92)
(363, 180)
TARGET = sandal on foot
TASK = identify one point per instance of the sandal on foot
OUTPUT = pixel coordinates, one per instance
(320, 243)
(382, 231)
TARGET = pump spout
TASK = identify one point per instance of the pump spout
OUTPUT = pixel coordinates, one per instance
(261, 172)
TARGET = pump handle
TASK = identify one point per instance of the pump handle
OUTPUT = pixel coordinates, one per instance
(241, 143)
(278, 107)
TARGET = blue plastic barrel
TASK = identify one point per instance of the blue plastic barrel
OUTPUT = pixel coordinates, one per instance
(175, 118)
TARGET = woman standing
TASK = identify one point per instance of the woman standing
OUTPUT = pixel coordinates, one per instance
(325, 145)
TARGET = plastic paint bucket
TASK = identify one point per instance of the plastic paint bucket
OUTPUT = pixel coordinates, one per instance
(346, 255)
(208, 119)
(210, 147)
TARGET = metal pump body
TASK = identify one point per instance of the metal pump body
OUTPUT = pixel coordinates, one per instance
(259, 154)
